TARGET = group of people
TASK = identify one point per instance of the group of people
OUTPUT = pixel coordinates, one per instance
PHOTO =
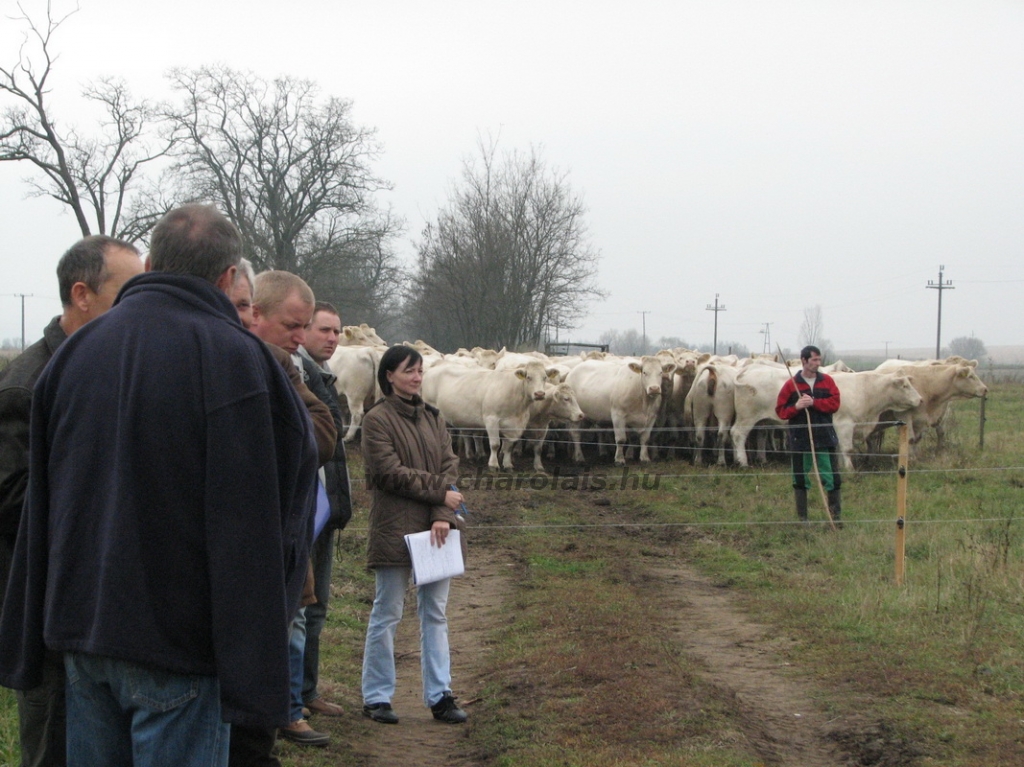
(171, 480)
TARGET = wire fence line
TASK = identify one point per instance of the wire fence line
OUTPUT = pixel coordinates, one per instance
(639, 470)
(711, 523)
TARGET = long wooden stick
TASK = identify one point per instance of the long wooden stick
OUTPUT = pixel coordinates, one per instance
(814, 454)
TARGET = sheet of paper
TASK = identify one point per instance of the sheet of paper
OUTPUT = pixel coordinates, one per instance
(432, 563)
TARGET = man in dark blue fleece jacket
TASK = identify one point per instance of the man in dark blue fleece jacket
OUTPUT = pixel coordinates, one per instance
(168, 516)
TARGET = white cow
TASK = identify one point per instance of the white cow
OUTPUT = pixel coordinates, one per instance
(559, 405)
(356, 369)
(360, 335)
(625, 393)
(754, 396)
(939, 383)
(709, 403)
(863, 398)
(485, 358)
(496, 400)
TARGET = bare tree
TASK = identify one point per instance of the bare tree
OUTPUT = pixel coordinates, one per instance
(93, 176)
(968, 347)
(812, 332)
(293, 173)
(507, 259)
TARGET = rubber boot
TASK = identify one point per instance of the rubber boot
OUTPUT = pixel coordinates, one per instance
(835, 509)
(801, 503)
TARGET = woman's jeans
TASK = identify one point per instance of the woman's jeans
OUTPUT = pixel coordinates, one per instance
(379, 654)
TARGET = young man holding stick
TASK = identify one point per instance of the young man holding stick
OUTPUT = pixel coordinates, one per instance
(807, 401)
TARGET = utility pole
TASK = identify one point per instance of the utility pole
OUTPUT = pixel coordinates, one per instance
(716, 309)
(643, 315)
(23, 296)
(767, 333)
(939, 286)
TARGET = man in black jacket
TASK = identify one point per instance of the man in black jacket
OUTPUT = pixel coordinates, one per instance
(168, 515)
(321, 341)
(282, 309)
(89, 276)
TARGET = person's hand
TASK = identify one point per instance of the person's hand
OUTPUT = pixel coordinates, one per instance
(439, 532)
(453, 500)
(805, 401)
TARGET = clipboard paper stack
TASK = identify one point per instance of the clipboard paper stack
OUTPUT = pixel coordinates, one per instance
(430, 563)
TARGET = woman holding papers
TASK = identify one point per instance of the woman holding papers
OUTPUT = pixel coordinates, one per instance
(410, 471)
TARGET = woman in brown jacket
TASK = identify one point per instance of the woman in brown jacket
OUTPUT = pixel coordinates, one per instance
(410, 472)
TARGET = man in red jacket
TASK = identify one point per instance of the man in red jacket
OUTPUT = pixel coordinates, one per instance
(807, 401)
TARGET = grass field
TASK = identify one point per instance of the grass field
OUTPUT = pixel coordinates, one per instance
(935, 665)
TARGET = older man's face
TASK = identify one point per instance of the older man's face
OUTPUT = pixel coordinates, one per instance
(322, 336)
(286, 325)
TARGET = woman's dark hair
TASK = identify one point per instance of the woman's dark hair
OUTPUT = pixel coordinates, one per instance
(391, 361)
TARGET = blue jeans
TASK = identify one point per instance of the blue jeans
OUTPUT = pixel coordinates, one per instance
(379, 653)
(296, 650)
(123, 714)
(316, 613)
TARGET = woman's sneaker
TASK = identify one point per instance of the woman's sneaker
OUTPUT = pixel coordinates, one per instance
(381, 712)
(447, 710)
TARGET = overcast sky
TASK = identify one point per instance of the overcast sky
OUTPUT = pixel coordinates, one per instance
(780, 154)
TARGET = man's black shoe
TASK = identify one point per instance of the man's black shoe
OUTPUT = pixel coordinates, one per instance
(447, 710)
(381, 712)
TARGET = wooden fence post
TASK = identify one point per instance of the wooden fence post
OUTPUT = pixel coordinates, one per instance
(901, 503)
(981, 424)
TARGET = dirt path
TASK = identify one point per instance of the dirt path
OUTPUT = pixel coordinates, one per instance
(779, 716)
(777, 711)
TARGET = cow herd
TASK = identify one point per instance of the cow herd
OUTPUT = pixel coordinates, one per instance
(674, 399)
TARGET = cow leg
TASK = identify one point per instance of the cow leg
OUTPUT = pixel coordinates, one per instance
(508, 447)
(740, 432)
(723, 443)
(356, 408)
(620, 441)
(645, 454)
(763, 435)
(845, 433)
(494, 437)
(574, 431)
(538, 448)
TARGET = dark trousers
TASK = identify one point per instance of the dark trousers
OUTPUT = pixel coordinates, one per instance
(252, 747)
(42, 718)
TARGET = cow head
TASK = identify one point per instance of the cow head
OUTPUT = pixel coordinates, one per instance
(650, 371)
(903, 395)
(967, 383)
(564, 406)
(534, 376)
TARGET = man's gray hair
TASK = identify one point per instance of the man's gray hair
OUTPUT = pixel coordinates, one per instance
(245, 272)
(85, 262)
(196, 240)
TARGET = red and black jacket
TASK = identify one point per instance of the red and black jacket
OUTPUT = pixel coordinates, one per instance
(826, 402)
